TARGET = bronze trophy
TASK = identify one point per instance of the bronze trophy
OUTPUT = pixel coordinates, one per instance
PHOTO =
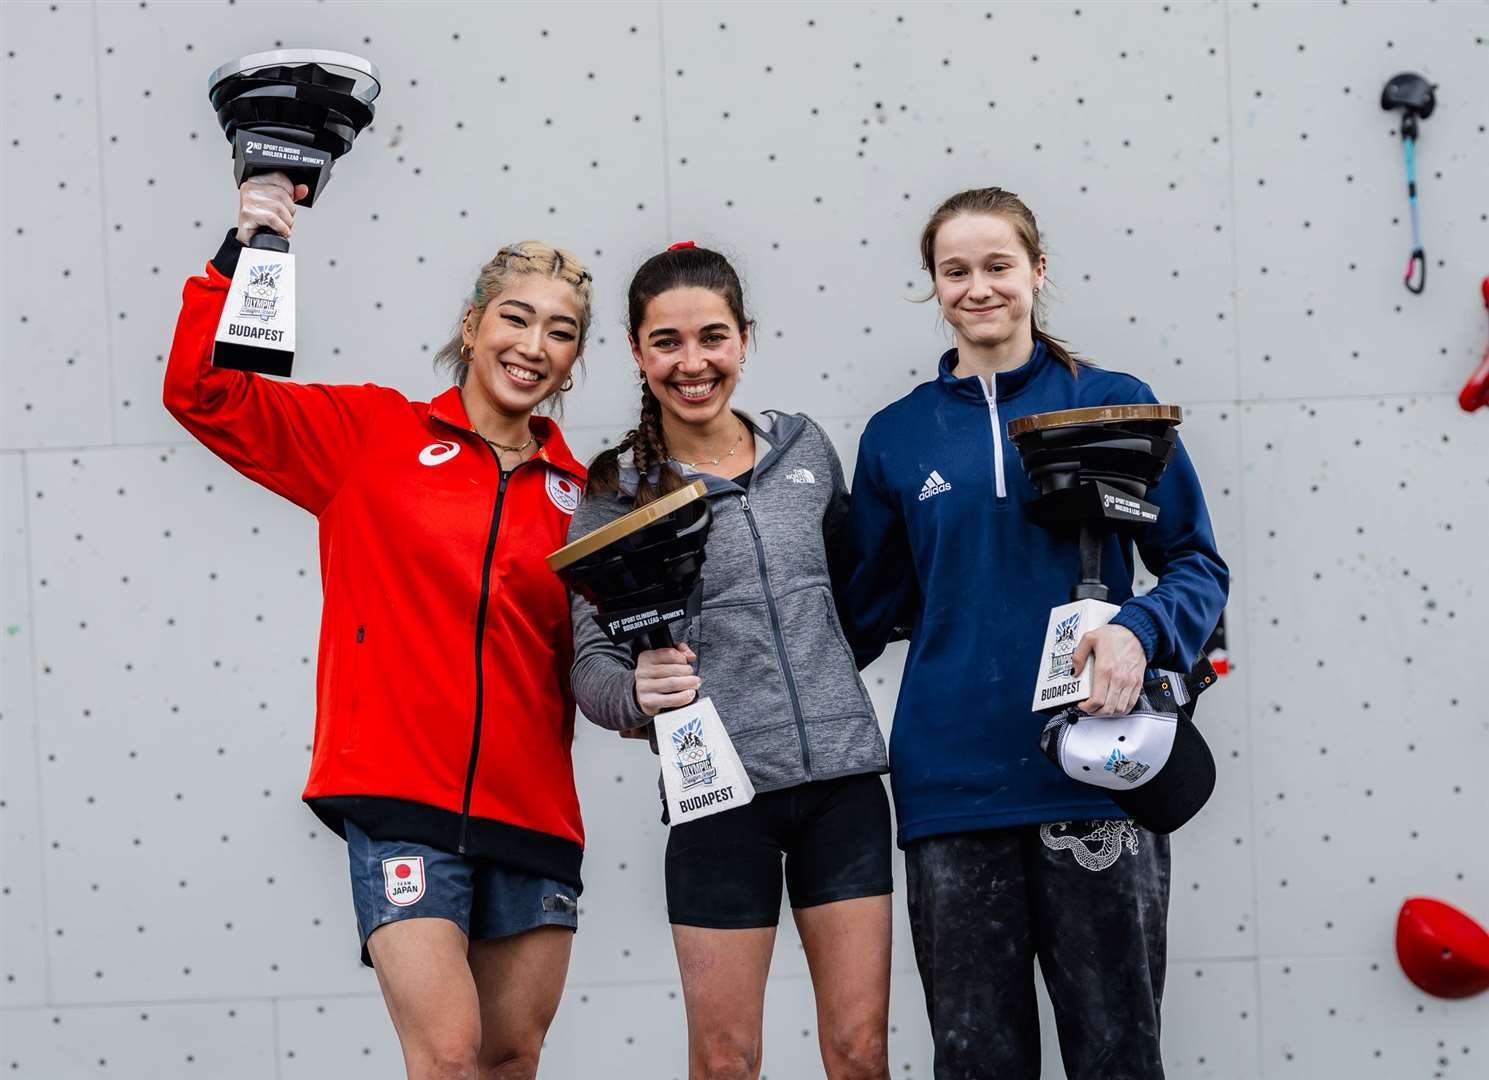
(1093, 468)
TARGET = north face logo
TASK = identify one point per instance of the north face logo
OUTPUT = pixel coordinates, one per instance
(934, 484)
(801, 476)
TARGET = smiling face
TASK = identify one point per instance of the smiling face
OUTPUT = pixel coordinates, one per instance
(985, 280)
(523, 345)
(690, 349)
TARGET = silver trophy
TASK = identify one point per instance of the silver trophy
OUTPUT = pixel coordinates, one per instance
(293, 111)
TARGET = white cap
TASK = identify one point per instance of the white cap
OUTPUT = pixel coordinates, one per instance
(1119, 753)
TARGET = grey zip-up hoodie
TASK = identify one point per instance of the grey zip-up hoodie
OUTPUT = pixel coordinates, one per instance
(770, 650)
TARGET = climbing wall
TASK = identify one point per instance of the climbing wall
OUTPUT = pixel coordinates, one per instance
(1224, 205)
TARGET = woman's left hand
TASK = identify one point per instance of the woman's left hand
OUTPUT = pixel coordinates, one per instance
(1117, 677)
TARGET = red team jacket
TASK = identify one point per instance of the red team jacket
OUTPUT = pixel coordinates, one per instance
(443, 710)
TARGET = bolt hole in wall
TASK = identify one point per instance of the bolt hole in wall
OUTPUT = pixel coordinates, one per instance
(1222, 196)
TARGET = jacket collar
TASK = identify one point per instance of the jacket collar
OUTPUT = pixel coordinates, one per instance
(774, 432)
(1007, 384)
(450, 409)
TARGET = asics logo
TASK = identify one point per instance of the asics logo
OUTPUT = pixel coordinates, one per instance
(934, 484)
(438, 453)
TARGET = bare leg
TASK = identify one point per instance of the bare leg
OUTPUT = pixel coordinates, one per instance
(519, 981)
(421, 965)
(723, 986)
(847, 947)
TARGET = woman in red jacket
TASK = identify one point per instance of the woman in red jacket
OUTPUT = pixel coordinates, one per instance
(444, 718)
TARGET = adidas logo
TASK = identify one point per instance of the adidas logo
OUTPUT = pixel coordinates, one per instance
(934, 485)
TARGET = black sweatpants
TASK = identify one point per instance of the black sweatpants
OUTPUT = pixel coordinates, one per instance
(1089, 899)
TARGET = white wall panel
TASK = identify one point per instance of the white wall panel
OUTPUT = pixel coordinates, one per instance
(175, 640)
(497, 123)
(1361, 526)
(1321, 187)
(1357, 1016)
(1210, 1021)
(233, 1040)
(1212, 906)
(813, 141)
(22, 890)
(337, 1036)
(54, 345)
(160, 612)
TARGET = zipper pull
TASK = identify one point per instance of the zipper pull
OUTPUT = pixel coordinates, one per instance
(361, 633)
(744, 501)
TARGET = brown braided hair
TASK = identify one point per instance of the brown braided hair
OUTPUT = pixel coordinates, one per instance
(675, 268)
(1005, 204)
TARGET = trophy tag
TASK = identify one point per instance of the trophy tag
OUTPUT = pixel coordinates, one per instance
(257, 328)
(1058, 684)
(1116, 506)
(701, 772)
(625, 625)
(263, 153)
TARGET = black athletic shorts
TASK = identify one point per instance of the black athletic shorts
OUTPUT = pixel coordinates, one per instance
(724, 871)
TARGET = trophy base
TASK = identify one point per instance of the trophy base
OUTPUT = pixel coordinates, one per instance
(257, 328)
(1058, 685)
(248, 358)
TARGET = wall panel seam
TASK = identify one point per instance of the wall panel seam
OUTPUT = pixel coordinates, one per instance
(1244, 620)
(103, 230)
(41, 830)
(666, 144)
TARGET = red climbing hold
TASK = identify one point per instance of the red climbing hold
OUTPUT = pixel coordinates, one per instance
(1475, 392)
(1441, 949)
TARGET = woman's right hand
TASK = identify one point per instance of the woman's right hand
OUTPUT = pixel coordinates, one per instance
(665, 679)
(267, 201)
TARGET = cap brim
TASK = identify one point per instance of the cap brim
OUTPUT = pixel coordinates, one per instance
(1180, 790)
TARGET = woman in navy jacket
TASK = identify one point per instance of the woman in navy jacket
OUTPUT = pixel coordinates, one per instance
(1006, 857)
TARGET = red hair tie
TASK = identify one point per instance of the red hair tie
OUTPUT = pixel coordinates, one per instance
(682, 244)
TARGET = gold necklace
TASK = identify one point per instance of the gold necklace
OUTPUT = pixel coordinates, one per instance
(513, 449)
(715, 461)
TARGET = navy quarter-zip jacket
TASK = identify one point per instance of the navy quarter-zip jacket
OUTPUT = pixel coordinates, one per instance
(937, 540)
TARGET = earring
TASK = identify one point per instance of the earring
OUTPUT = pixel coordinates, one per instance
(567, 386)
(465, 353)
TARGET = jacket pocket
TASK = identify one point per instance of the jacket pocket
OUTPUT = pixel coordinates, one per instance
(348, 690)
(740, 666)
(827, 682)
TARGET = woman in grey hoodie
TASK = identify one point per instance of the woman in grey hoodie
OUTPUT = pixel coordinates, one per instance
(771, 655)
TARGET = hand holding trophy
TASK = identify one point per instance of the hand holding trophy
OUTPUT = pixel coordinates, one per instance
(289, 115)
(267, 202)
(642, 572)
(1094, 468)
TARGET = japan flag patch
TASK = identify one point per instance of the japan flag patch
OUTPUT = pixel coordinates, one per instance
(563, 492)
(403, 880)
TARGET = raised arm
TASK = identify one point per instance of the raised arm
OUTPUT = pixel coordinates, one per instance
(298, 440)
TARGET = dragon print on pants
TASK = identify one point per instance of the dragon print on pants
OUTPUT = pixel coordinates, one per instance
(1110, 835)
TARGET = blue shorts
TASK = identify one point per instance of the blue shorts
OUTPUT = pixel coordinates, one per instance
(401, 879)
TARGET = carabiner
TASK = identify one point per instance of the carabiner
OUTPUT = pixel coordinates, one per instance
(1417, 266)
